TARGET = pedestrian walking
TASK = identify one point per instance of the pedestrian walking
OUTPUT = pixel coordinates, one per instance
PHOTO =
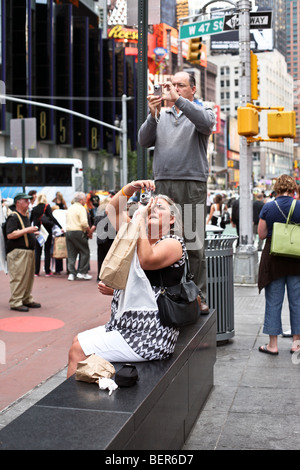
(77, 235)
(277, 272)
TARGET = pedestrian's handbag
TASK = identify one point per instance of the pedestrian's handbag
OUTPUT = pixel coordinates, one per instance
(126, 376)
(115, 267)
(44, 219)
(60, 248)
(92, 368)
(178, 305)
(225, 219)
(286, 237)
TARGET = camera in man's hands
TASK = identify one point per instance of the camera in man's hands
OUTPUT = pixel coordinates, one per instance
(157, 90)
(145, 197)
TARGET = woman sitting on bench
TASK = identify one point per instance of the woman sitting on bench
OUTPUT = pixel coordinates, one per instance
(139, 335)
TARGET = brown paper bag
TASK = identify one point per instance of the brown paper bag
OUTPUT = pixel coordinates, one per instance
(60, 248)
(115, 267)
(92, 368)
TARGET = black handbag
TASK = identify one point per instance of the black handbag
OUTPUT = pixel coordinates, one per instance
(126, 376)
(178, 305)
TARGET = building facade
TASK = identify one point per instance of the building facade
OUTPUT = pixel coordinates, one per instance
(57, 52)
(293, 60)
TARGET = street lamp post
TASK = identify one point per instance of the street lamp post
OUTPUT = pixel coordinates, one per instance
(246, 258)
(142, 86)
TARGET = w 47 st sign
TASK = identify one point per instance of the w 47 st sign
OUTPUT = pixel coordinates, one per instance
(258, 20)
(201, 28)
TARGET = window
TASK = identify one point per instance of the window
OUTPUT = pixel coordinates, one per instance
(36, 175)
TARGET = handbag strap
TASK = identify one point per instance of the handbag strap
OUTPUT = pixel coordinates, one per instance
(291, 211)
(40, 217)
(22, 226)
(187, 275)
(282, 213)
(287, 218)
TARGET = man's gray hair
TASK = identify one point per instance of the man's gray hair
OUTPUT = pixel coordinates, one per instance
(78, 196)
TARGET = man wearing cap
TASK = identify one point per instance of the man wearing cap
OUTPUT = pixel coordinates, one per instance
(20, 255)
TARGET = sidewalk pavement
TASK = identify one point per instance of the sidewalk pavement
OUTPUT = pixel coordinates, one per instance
(254, 404)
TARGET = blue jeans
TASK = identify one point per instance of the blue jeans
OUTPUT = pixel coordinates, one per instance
(274, 295)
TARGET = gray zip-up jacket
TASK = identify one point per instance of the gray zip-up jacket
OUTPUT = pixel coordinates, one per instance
(180, 141)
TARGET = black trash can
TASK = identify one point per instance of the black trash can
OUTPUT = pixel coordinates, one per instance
(219, 280)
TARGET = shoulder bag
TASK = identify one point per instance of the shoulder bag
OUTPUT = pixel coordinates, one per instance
(115, 267)
(178, 305)
(286, 237)
(45, 220)
(225, 218)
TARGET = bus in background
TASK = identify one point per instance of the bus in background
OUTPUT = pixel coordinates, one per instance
(45, 175)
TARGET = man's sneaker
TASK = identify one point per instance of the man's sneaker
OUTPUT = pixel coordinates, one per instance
(71, 277)
(87, 277)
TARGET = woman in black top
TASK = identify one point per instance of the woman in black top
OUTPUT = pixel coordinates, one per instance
(59, 201)
(136, 334)
(42, 214)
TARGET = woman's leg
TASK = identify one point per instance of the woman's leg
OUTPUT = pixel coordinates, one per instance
(274, 295)
(47, 249)
(38, 254)
(293, 288)
(76, 355)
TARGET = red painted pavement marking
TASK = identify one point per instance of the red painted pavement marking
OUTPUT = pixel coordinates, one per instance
(30, 324)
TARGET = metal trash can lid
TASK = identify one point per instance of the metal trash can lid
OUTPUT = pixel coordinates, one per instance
(219, 242)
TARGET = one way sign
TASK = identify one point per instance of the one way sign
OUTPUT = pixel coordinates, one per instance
(258, 20)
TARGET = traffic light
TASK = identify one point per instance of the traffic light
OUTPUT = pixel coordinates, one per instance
(282, 124)
(247, 119)
(194, 51)
(254, 76)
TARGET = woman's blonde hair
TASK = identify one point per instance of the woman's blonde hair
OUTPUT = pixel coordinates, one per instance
(41, 199)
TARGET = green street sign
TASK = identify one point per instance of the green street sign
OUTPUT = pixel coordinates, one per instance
(201, 28)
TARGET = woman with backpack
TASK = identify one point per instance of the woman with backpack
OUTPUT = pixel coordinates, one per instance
(216, 211)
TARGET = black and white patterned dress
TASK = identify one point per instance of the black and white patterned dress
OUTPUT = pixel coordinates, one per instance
(142, 330)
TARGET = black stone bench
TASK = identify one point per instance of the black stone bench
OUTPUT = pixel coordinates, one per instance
(156, 413)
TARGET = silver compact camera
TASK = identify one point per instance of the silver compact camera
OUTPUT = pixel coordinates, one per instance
(157, 90)
(145, 197)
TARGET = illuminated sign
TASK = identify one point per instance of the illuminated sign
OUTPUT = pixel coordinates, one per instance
(121, 34)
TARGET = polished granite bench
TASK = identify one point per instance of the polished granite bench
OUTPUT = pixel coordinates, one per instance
(156, 413)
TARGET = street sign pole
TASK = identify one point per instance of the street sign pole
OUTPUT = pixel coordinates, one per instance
(23, 137)
(142, 87)
(246, 259)
(23, 155)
